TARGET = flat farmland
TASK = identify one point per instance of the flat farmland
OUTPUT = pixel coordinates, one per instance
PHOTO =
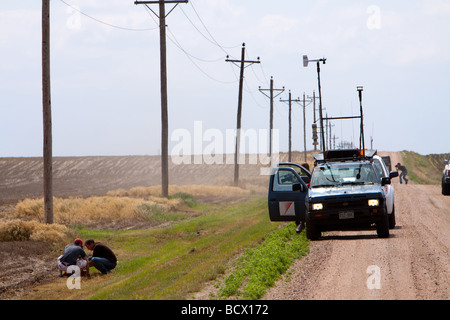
(22, 178)
(74, 176)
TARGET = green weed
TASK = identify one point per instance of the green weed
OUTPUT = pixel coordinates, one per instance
(186, 197)
(258, 269)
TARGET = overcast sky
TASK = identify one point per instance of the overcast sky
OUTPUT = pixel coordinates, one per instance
(105, 72)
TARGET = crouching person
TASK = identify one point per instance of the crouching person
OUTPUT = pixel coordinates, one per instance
(103, 258)
(74, 255)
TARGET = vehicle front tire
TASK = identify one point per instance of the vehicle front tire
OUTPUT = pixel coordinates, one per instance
(383, 227)
(312, 232)
(392, 219)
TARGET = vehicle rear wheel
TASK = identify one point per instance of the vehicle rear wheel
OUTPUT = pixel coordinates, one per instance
(383, 227)
(445, 189)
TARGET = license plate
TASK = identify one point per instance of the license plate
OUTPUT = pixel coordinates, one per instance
(346, 215)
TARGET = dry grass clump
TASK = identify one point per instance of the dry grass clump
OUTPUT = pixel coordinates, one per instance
(73, 211)
(18, 230)
(194, 190)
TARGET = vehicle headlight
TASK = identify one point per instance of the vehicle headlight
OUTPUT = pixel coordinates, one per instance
(317, 206)
(373, 202)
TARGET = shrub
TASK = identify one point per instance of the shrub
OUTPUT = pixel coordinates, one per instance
(194, 190)
(78, 211)
(186, 197)
(32, 209)
(17, 230)
(147, 210)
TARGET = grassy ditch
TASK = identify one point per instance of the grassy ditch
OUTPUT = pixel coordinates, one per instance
(177, 259)
(258, 268)
(424, 169)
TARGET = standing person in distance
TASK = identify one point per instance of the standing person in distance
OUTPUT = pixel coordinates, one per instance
(403, 173)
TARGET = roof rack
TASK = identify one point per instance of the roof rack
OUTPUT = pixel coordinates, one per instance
(345, 155)
(362, 149)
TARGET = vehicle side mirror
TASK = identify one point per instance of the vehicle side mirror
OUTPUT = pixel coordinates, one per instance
(385, 181)
(393, 174)
(297, 187)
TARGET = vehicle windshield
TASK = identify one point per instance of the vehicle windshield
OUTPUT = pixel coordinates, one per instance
(330, 175)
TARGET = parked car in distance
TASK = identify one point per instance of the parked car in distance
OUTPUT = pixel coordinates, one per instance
(446, 178)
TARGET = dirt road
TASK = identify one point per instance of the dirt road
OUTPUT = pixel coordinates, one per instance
(412, 263)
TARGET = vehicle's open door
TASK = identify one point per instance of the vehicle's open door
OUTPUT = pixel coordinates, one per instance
(287, 193)
(301, 171)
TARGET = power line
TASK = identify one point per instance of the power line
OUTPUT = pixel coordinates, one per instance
(256, 76)
(248, 90)
(267, 82)
(178, 44)
(105, 23)
(190, 57)
(211, 41)
(215, 41)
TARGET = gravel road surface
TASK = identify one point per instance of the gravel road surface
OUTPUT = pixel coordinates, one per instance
(411, 264)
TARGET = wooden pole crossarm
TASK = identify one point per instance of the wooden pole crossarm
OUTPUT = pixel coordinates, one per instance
(157, 2)
(342, 118)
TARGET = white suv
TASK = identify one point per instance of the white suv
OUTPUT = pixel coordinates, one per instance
(446, 178)
(389, 188)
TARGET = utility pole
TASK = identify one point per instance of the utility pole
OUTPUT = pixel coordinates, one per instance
(315, 138)
(290, 122)
(326, 132)
(320, 105)
(164, 112)
(334, 141)
(330, 125)
(360, 89)
(313, 99)
(304, 123)
(305, 64)
(242, 67)
(271, 96)
(304, 100)
(47, 114)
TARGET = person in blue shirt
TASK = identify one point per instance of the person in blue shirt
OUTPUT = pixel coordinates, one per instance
(74, 255)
